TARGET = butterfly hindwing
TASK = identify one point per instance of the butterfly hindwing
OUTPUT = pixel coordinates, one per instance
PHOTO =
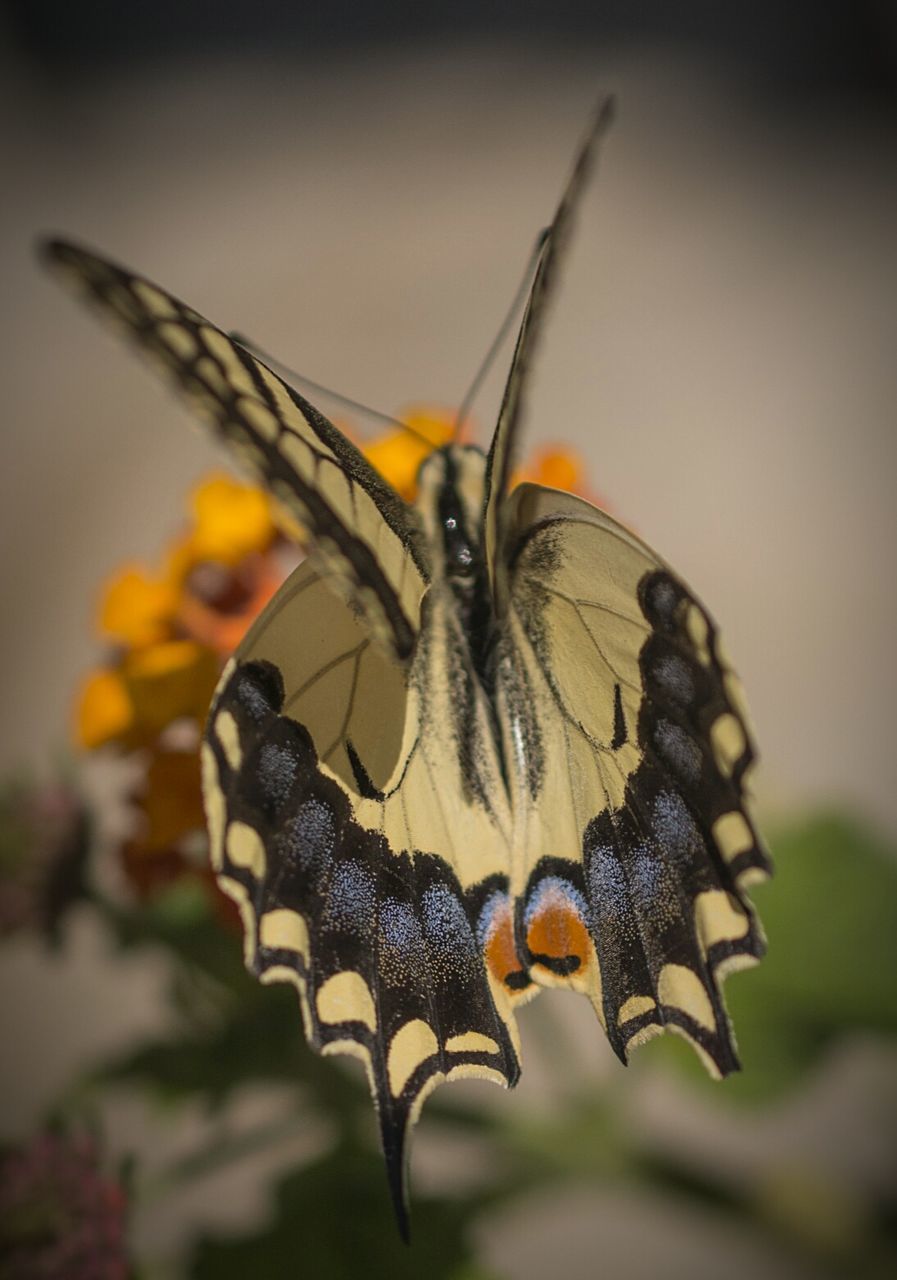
(358, 530)
(632, 754)
(323, 810)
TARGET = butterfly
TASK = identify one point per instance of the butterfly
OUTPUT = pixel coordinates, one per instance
(475, 746)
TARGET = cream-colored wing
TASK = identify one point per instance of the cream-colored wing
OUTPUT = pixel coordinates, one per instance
(630, 747)
(357, 529)
(357, 816)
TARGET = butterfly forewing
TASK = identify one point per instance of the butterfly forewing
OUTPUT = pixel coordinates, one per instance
(631, 750)
(357, 529)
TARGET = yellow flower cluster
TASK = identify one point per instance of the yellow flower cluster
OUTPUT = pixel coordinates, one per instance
(169, 625)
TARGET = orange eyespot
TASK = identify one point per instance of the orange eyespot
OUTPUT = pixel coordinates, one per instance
(501, 953)
(556, 931)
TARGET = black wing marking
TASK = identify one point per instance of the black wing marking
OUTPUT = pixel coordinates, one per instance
(382, 947)
(640, 844)
(363, 874)
(358, 529)
(504, 442)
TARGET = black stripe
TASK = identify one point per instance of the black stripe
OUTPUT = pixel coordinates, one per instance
(620, 734)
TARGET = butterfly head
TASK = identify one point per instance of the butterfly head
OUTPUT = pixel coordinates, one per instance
(451, 494)
(451, 488)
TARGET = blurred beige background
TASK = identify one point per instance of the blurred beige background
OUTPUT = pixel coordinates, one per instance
(722, 353)
(722, 350)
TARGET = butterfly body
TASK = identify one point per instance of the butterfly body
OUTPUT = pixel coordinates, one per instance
(473, 747)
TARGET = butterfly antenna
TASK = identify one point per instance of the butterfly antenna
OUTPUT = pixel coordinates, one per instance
(498, 341)
(285, 371)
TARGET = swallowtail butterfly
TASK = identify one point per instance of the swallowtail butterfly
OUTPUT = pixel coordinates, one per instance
(474, 747)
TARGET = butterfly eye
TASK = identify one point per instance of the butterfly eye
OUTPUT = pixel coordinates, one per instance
(459, 556)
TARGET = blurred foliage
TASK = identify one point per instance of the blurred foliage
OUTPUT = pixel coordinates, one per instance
(330, 1215)
(61, 1213)
(45, 838)
(830, 913)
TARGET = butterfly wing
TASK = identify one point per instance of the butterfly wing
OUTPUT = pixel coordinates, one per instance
(369, 860)
(359, 532)
(503, 449)
(354, 798)
(630, 744)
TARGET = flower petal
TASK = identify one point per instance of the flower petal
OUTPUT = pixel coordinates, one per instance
(104, 712)
(232, 520)
(170, 681)
(137, 608)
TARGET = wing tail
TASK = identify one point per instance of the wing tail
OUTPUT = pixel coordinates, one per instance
(381, 946)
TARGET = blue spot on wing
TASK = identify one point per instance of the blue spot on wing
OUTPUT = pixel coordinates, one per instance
(350, 905)
(307, 841)
(554, 885)
(676, 828)
(401, 943)
(486, 919)
(675, 679)
(450, 942)
(278, 767)
(679, 751)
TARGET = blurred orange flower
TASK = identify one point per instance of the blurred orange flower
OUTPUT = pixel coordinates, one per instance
(556, 468)
(137, 608)
(168, 682)
(169, 800)
(397, 454)
(219, 603)
(231, 520)
(103, 710)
